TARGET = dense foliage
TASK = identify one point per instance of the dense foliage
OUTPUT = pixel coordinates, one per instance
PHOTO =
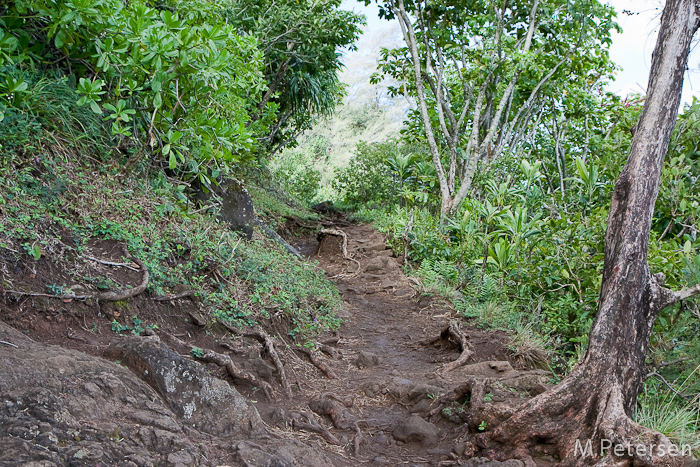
(482, 72)
(525, 251)
(179, 82)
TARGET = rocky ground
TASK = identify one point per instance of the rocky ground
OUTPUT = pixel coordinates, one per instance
(403, 382)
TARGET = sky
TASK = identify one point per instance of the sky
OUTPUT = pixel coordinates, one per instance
(631, 49)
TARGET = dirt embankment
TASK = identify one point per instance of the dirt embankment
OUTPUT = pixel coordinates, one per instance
(401, 383)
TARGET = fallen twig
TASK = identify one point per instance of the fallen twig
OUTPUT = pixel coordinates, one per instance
(406, 238)
(357, 441)
(663, 380)
(110, 263)
(9, 343)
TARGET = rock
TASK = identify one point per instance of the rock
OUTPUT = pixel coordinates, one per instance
(371, 389)
(416, 430)
(539, 389)
(459, 448)
(484, 462)
(376, 264)
(381, 460)
(380, 438)
(491, 369)
(366, 360)
(180, 459)
(103, 414)
(236, 205)
(68, 402)
(199, 400)
(423, 391)
(283, 453)
(422, 406)
(279, 417)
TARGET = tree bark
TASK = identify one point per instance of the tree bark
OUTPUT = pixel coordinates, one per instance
(595, 402)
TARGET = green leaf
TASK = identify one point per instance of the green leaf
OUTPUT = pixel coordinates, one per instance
(172, 161)
(95, 108)
(158, 101)
(688, 247)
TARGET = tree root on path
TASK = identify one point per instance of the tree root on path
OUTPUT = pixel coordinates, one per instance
(330, 351)
(266, 340)
(472, 388)
(358, 438)
(109, 296)
(316, 361)
(335, 410)
(456, 334)
(340, 233)
(585, 412)
(312, 425)
(210, 356)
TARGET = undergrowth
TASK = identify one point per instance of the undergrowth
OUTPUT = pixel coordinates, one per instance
(62, 185)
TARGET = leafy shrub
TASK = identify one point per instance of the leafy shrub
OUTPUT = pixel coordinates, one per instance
(297, 174)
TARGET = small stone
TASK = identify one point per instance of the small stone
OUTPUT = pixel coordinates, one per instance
(367, 360)
(416, 430)
(459, 448)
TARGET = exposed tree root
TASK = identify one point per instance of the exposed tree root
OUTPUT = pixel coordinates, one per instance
(358, 439)
(335, 410)
(456, 334)
(342, 234)
(266, 340)
(108, 296)
(330, 351)
(331, 340)
(312, 425)
(472, 388)
(110, 263)
(210, 356)
(573, 422)
(316, 361)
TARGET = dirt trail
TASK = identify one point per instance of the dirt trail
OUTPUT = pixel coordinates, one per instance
(390, 357)
(377, 393)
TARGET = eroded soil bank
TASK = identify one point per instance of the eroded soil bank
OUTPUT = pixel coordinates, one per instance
(379, 392)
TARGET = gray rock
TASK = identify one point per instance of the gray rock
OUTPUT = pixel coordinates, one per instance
(200, 400)
(416, 430)
(236, 205)
(48, 396)
(366, 360)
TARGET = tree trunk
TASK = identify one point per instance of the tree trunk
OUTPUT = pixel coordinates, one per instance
(595, 402)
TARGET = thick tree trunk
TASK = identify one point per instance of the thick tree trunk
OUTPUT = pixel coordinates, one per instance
(596, 401)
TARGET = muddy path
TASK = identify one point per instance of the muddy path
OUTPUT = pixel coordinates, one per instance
(390, 363)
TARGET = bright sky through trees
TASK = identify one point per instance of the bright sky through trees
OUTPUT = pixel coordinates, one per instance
(631, 50)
